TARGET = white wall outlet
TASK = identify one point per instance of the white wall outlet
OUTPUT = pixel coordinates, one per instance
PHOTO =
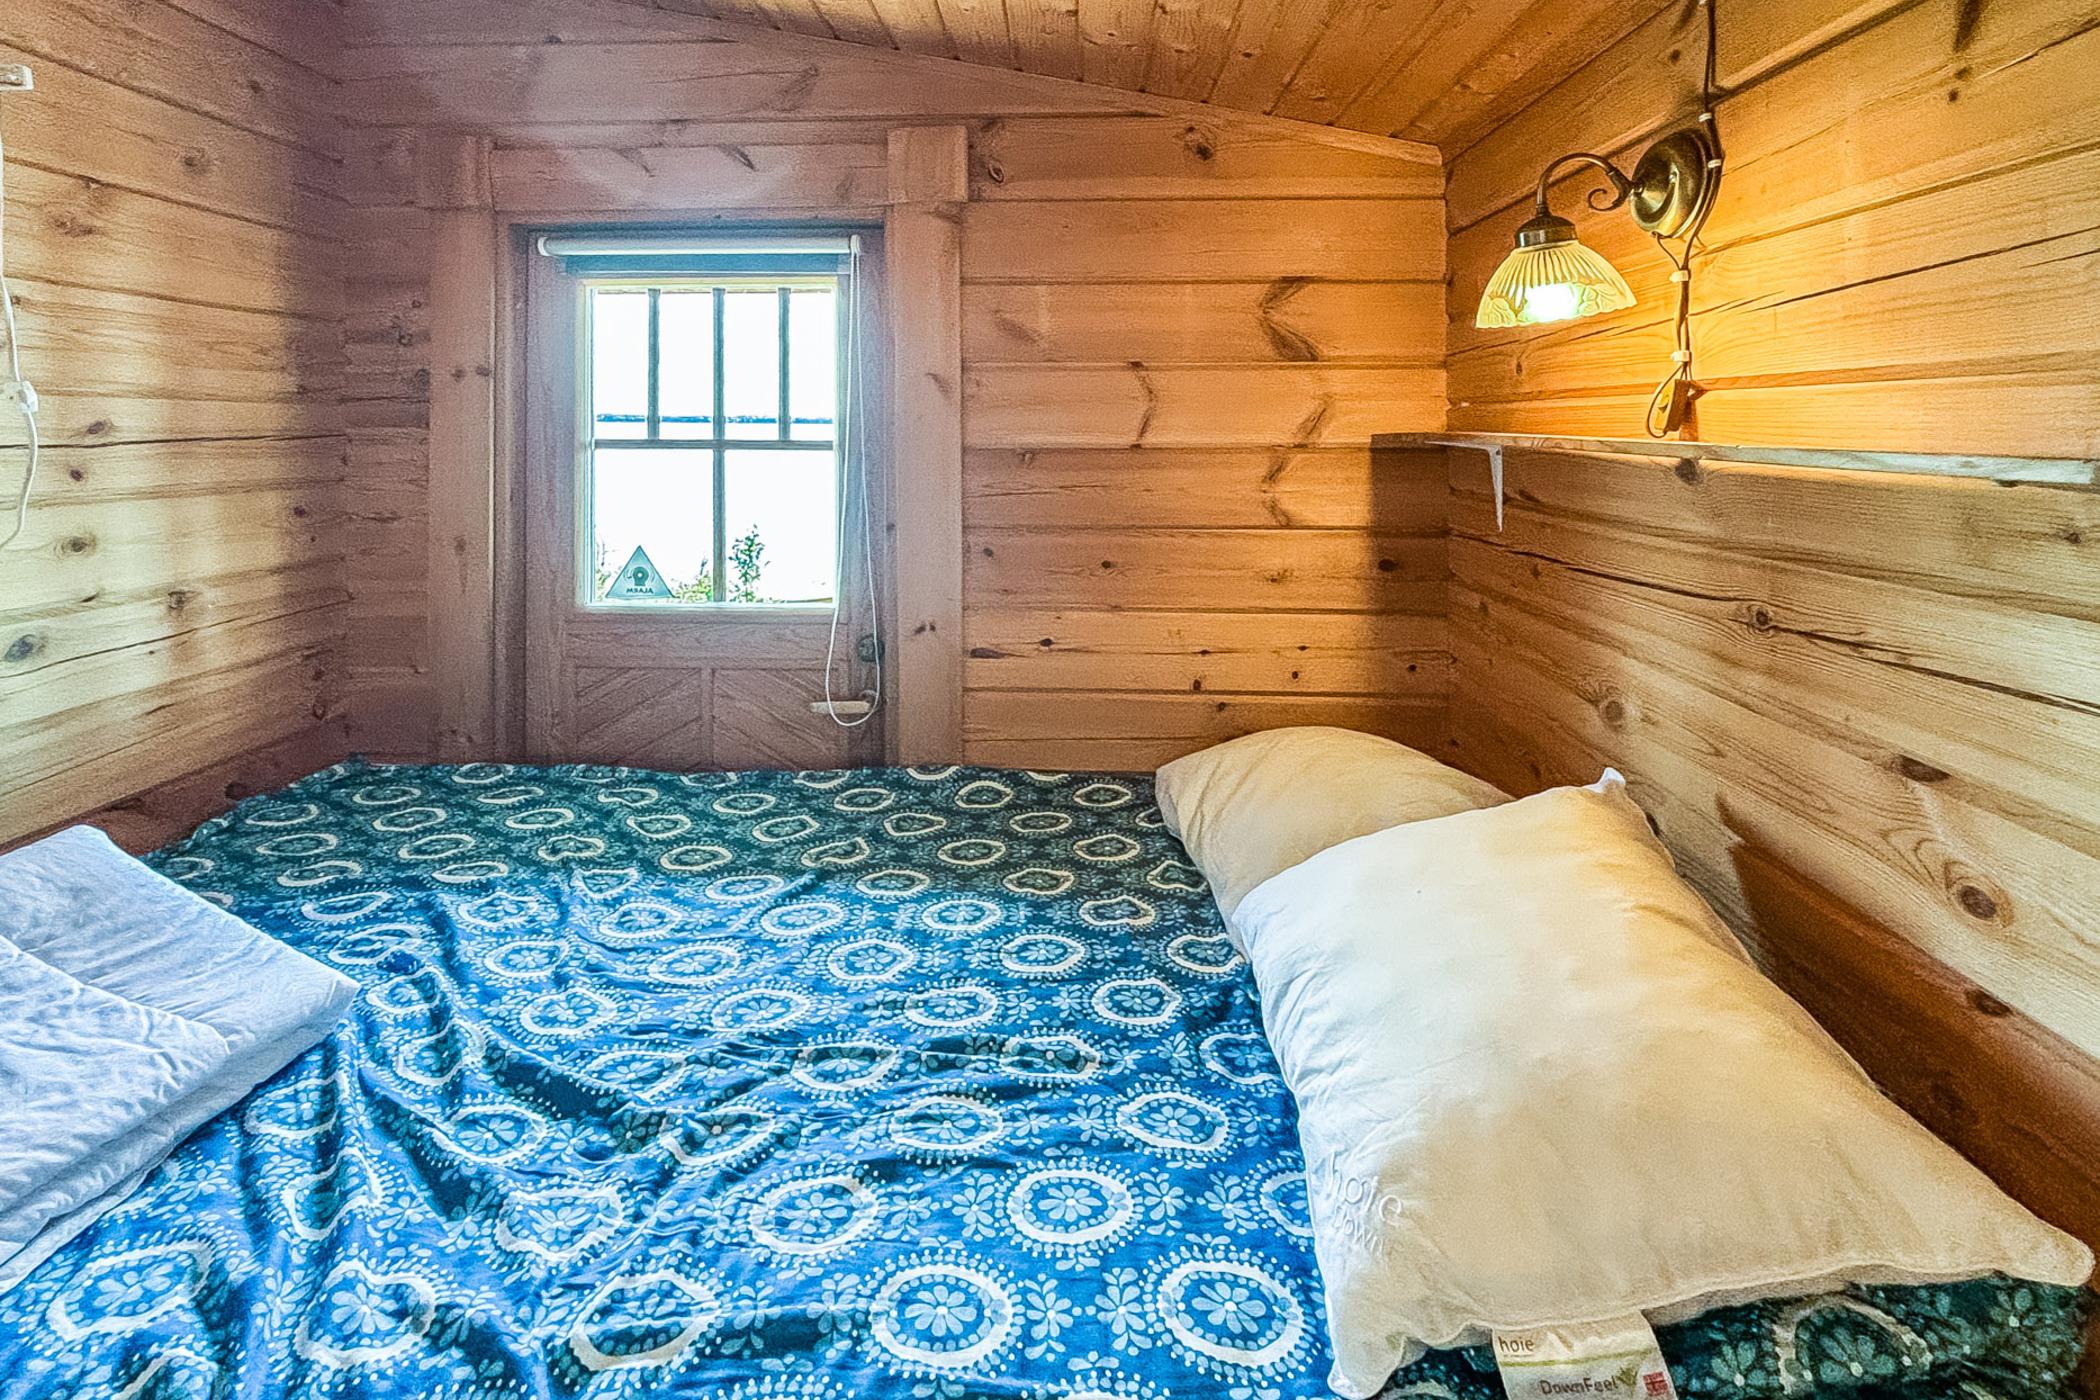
(16, 77)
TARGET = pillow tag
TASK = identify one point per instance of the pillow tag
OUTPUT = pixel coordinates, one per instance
(1617, 1360)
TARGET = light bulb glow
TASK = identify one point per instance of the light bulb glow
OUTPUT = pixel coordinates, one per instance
(1556, 301)
(1551, 282)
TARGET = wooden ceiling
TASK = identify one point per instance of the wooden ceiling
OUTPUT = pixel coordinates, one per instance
(1440, 71)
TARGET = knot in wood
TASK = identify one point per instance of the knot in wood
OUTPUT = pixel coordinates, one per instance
(1976, 902)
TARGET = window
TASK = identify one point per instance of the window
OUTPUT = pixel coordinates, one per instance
(714, 449)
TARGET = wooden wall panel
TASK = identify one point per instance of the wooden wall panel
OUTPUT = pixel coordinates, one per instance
(454, 184)
(1029, 646)
(1116, 730)
(690, 79)
(1291, 320)
(785, 732)
(1134, 239)
(1912, 727)
(167, 52)
(1226, 570)
(179, 594)
(169, 811)
(1334, 488)
(2018, 1100)
(1145, 404)
(1862, 707)
(1177, 346)
(1179, 333)
(923, 281)
(1903, 255)
(1183, 158)
(776, 175)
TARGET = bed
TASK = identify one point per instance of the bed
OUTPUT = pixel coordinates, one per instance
(927, 1082)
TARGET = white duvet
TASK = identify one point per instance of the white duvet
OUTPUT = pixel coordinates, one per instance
(131, 1012)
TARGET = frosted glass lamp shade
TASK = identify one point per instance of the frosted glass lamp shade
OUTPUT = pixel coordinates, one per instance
(1550, 276)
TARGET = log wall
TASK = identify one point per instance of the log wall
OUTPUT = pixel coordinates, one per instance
(1179, 335)
(1863, 710)
(1861, 704)
(1905, 254)
(178, 596)
(1912, 725)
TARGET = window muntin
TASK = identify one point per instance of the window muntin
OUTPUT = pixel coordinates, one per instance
(712, 471)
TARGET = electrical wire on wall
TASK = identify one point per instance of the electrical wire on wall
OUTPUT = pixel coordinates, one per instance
(1671, 403)
(21, 395)
(854, 491)
(16, 393)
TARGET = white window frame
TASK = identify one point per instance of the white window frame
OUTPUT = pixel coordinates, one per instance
(717, 445)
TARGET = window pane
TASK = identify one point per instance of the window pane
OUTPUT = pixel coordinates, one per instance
(685, 386)
(813, 365)
(620, 363)
(782, 510)
(751, 363)
(652, 526)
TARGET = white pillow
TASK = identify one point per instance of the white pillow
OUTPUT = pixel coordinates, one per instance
(1535, 1086)
(213, 1007)
(1250, 807)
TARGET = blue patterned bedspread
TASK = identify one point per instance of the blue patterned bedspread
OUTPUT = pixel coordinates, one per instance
(935, 1083)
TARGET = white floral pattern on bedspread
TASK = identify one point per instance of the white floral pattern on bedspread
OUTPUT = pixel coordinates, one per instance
(936, 1083)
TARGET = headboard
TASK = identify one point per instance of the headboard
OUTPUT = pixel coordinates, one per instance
(1859, 696)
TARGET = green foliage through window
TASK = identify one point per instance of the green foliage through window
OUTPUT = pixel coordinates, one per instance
(747, 557)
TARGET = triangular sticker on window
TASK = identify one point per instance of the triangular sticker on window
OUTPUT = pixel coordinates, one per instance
(638, 578)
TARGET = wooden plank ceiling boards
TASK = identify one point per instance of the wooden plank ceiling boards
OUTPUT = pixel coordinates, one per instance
(1441, 71)
(179, 597)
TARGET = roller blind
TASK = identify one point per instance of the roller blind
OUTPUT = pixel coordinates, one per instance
(701, 253)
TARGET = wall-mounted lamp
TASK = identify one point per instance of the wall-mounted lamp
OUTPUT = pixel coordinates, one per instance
(1549, 276)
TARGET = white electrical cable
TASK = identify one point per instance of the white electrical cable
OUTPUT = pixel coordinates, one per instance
(852, 448)
(14, 389)
(19, 392)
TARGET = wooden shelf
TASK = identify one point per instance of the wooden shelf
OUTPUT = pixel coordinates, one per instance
(2049, 471)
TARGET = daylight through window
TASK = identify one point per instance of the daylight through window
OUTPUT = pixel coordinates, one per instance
(714, 471)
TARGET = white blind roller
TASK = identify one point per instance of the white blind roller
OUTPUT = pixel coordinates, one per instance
(651, 245)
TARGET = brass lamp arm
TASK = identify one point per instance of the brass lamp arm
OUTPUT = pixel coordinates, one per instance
(1621, 187)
